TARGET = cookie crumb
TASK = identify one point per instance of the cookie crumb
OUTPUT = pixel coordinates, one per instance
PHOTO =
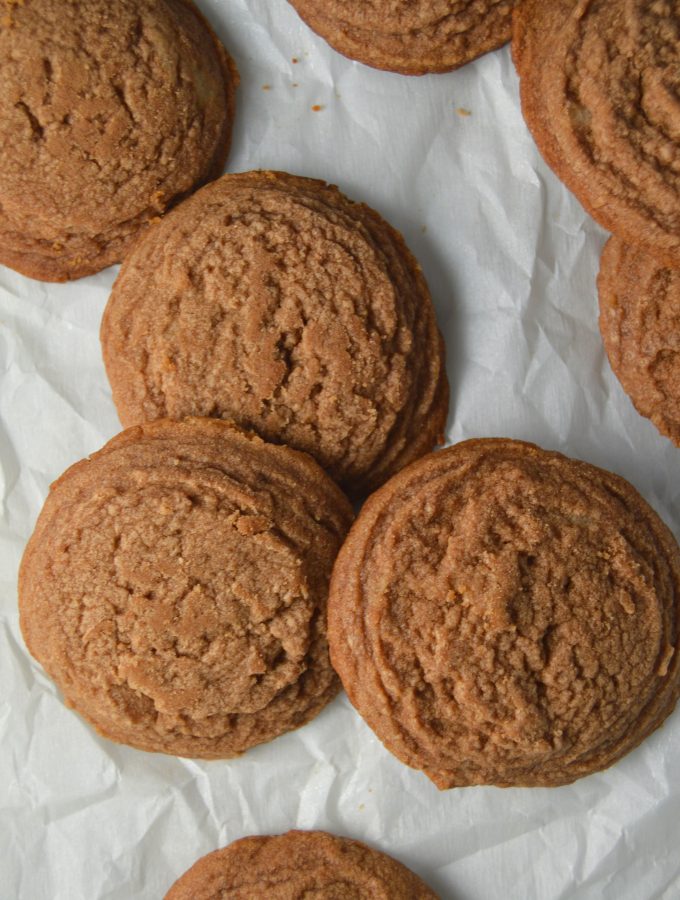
(318, 107)
(662, 671)
(7, 20)
(156, 200)
(463, 112)
(266, 87)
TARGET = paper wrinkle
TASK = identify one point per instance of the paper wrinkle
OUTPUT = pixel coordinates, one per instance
(511, 258)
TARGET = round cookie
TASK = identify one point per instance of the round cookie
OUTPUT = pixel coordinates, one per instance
(297, 865)
(175, 588)
(412, 38)
(640, 325)
(276, 302)
(504, 615)
(109, 112)
(599, 85)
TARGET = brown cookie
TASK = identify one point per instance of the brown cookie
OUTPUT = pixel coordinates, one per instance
(412, 37)
(297, 865)
(640, 325)
(504, 615)
(276, 302)
(175, 588)
(109, 112)
(600, 83)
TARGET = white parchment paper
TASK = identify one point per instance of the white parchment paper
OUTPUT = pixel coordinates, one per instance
(511, 259)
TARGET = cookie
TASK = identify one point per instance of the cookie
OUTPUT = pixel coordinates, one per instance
(109, 113)
(409, 37)
(297, 865)
(500, 614)
(276, 302)
(640, 325)
(599, 86)
(175, 588)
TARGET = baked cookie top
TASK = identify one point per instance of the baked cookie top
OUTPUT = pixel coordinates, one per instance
(412, 37)
(600, 88)
(108, 113)
(276, 302)
(175, 588)
(297, 865)
(640, 325)
(504, 615)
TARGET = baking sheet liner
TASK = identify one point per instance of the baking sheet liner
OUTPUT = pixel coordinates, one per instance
(511, 259)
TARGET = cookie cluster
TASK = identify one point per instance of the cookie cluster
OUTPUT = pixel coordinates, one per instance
(599, 88)
(497, 613)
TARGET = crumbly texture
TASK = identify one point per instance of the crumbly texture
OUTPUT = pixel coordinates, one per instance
(640, 325)
(109, 112)
(175, 588)
(299, 865)
(276, 302)
(600, 89)
(504, 615)
(409, 37)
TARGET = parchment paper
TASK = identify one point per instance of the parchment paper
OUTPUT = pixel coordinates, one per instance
(511, 259)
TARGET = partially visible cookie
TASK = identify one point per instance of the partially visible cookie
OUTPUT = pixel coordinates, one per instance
(500, 614)
(640, 325)
(276, 302)
(412, 37)
(109, 112)
(600, 84)
(175, 588)
(299, 865)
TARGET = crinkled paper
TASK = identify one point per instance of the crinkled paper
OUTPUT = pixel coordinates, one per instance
(511, 259)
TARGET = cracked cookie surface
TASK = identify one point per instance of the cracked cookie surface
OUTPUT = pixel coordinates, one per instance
(276, 302)
(108, 113)
(600, 89)
(640, 325)
(298, 865)
(412, 38)
(500, 614)
(175, 588)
